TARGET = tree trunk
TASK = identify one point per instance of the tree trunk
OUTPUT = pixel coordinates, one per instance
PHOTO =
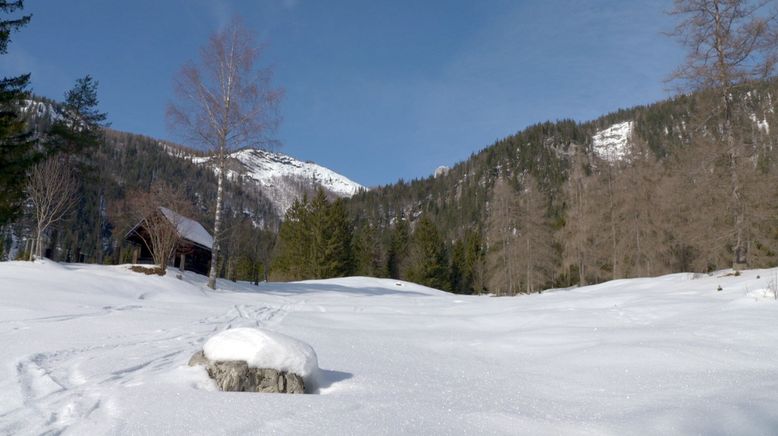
(217, 223)
(38, 245)
(739, 260)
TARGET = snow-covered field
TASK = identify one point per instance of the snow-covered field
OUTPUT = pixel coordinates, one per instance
(102, 350)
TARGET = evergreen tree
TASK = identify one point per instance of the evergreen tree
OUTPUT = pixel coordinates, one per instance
(368, 252)
(76, 134)
(17, 149)
(79, 124)
(458, 280)
(293, 259)
(315, 241)
(467, 257)
(338, 256)
(317, 228)
(398, 248)
(428, 259)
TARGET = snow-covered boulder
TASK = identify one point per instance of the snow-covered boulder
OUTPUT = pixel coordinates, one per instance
(258, 360)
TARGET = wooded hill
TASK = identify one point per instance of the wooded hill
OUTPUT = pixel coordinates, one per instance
(556, 204)
(551, 206)
(123, 164)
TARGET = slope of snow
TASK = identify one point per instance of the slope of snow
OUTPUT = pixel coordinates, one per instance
(102, 350)
(280, 176)
(612, 144)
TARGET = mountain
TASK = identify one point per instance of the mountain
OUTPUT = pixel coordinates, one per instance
(641, 191)
(260, 187)
(282, 178)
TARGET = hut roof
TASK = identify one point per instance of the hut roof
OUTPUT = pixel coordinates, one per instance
(189, 228)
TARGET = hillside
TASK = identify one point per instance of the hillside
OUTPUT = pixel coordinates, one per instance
(638, 192)
(261, 186)
(670, 355)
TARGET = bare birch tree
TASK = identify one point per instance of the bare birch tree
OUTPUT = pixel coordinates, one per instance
(51, 189)
(225, 102)
(729, 42)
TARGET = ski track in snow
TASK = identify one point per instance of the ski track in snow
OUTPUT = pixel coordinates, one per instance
(101, 350)
(58, 388)
(56, 391)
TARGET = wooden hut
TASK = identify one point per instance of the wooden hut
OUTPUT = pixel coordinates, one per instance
(193, 251)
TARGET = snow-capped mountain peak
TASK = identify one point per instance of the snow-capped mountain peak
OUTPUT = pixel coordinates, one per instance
(284, 179)
(266, 167)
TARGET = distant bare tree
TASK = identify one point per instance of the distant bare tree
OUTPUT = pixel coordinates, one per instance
(536, 253)
(729, 42)
(639, 215)
(51, 189)
(502, 239)
(578, 232)
(224, 103)
(158, 216)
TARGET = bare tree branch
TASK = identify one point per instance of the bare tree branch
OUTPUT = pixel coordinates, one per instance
(51, 190)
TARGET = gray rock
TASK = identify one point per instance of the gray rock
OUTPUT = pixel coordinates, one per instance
(236, 376)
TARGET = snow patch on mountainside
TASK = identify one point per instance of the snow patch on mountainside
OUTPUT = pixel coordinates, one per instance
(762, 124)
(441, 171)
(37, 109)
(612, 144)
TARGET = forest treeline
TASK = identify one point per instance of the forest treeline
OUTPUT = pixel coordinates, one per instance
(546, 210)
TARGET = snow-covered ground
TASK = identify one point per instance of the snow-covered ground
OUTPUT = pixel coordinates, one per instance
(102, 350)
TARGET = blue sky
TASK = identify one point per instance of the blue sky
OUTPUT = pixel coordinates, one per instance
(377, 91)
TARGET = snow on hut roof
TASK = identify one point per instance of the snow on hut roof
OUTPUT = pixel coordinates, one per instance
(189, 228)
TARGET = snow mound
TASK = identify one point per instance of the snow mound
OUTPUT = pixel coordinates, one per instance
(368, 286)
(262, 348)
(612, 143)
